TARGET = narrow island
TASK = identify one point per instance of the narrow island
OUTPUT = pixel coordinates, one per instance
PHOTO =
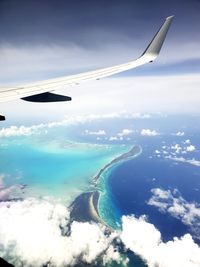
(85, 207)
(135, 151)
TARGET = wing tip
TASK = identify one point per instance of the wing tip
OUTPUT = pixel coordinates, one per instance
(170, 17)
(154, 47)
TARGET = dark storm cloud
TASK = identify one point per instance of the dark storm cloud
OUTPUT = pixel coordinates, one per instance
(49, 38)
(87, 22)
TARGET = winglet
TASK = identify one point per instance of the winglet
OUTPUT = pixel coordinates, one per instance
(155, 45)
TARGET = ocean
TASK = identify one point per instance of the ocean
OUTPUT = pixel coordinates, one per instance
(127, 189)
(61, 162)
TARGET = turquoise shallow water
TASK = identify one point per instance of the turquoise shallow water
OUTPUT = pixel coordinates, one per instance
(53, 168)
(108, 210)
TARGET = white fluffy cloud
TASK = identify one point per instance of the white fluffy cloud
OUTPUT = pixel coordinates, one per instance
(187, 141)
(190, 148)
(18, 131)
(99, 132)
(38, 236)
(176, 151)
(177, 148)
(121, 135)
(71, 120)
(148, 132)
(41, 234)
(180, 133)
(113, 138)
(125, 132)
(145, 240)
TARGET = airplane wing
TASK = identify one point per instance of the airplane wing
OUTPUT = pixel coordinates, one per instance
(41, 91)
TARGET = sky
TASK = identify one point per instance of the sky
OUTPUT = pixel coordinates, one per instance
(46, 39)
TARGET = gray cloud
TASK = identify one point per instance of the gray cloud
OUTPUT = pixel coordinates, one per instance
(59, 20)
(66, 37)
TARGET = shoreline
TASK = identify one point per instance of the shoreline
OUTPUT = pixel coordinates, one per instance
(85, 207)
(134, 152)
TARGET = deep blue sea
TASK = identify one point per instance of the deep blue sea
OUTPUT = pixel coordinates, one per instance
(130, 187)
(127, 186)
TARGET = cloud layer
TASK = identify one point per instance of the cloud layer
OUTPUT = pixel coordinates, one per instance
(73, 120)
(148, 132)
(145, 240)
(173, 203)
(41, 234)
(96, 97)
